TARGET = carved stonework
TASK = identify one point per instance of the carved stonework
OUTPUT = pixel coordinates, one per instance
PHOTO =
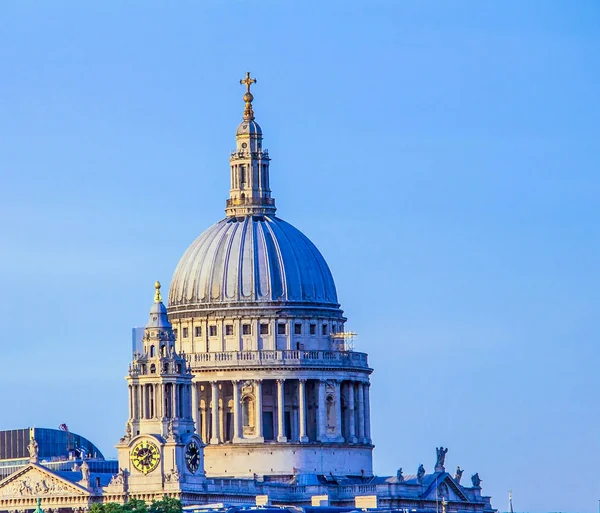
(173, 477)
(119, 480)
(33, 484)
(443, 490)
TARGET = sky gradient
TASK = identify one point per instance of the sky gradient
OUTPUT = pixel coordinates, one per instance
(443, 156)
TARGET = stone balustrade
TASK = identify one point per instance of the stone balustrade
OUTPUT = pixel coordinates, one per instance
(269, 358)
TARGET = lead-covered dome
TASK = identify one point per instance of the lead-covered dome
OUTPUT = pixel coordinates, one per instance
(252, 259)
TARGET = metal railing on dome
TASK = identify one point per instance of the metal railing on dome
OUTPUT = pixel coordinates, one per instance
(294, 357)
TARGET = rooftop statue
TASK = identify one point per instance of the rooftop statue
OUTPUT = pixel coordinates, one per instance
(33, 449)
(85, 473)
(476, 480)
(399, 475)
(441, 458)
(458, 474)
(420, 473)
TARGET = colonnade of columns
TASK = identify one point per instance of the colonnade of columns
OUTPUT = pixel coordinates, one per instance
(162, 400)
(282, 410)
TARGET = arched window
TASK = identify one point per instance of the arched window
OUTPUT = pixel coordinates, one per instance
(151, 351)
(153, 367)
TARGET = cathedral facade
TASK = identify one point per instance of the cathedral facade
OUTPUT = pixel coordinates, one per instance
(245, 388)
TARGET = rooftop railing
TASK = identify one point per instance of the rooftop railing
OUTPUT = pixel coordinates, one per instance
(269, 358)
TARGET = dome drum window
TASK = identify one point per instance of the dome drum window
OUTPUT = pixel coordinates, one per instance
(264, 329)
(212, 331)
(281, 329)
(229, 330)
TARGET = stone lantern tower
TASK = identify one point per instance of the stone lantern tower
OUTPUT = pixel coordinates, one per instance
(276, 391)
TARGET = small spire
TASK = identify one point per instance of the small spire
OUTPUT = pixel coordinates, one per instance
(157, 296)
(248, 112)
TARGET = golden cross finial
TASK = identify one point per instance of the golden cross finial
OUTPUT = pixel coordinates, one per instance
(248, 81)
(157, 296)
(248, 112)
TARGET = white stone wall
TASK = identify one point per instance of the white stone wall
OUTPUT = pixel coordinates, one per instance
(266, 459)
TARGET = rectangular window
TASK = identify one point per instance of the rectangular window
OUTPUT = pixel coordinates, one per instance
(229, 329)
(175, 333)
(281, 329)
(324, 329)
(264, 329)
(313, 329)
(185, 333)
(246, 329)
(333, 326)
(198, 332)
(212, 331)
(297, 329)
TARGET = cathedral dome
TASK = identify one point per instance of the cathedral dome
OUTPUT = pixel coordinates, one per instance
(252, 259)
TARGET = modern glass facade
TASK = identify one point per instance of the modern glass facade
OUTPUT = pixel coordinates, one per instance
(54, 444)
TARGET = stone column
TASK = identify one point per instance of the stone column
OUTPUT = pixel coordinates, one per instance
(258, 411)
(237, 424)
(173, 400)
(361, 413)
(302, 410)
(143, 401)
(195, 406)
(205, 415)
(152, 401)
(321, 412)
(338, 410)
(214, 416)
(222, 416)
(190, 400)
(160, 407)
(130, 402)
(134, 405)
(281, 411)
(351, 417)
(367, 413)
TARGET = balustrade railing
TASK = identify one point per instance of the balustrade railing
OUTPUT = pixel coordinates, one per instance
(294, 357)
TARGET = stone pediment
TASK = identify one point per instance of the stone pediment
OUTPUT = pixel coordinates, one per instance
(37, 481)
(445, 488)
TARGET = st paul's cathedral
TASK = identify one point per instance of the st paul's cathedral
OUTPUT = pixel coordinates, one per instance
(245, 389)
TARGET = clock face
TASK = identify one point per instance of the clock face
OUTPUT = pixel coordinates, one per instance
(192, 456)
(145, 457)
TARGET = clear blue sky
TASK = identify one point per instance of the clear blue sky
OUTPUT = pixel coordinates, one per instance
(443, 156)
